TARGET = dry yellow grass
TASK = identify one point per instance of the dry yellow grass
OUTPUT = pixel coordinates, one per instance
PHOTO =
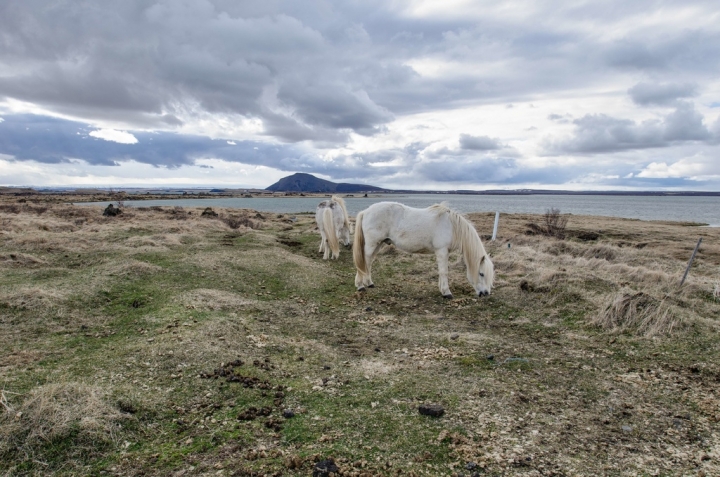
(639, 313)
(57, 411)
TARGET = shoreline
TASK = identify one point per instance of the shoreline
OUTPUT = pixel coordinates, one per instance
(696, 210)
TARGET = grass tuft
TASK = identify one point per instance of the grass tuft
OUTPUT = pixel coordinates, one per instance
(640, 313)
(64, 419)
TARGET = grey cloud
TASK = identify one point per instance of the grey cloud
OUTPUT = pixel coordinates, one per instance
(333, 106)
(484, 170)
(599, 133)
(685, 124)
(560, 119)
(681, 51)
(634, 54)
(52, 140)
(335, 66)
(479, 143)
(663, 94)
(148, 61)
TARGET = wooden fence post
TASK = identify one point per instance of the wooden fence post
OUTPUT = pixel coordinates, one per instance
(497, 219)
(690, 262)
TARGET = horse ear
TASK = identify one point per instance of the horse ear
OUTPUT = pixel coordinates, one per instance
(482, 259)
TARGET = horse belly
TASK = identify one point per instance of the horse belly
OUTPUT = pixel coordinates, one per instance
(413, 240)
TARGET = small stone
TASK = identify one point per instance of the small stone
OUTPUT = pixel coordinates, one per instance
(433, 410)
(288, 413)
(369, 308)
(490, 357)
(470, 465)
(627, 428)
(454, 336)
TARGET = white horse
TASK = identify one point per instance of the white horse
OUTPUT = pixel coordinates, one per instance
(436, 228)
(332, 220)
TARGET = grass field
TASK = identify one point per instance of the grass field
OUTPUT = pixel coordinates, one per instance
(162, 342)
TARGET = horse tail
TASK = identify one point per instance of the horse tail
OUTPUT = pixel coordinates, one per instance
(346, 219)
(359, 245)
(330, 233)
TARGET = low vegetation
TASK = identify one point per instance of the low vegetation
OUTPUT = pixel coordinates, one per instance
(166, 342)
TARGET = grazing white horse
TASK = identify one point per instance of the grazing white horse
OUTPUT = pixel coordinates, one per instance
(435, 229)
(332, 220)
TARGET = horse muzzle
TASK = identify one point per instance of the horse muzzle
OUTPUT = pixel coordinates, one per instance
(483, 293)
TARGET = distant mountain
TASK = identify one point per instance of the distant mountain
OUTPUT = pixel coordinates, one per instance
(301, 182)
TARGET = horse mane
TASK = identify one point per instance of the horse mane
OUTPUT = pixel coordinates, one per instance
(466, 239)
(340, 201)
(441, 207)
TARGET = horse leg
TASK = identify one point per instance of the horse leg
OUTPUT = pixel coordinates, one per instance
(323, 245)
(364, 280)
(370, 259)
(442, 255)
(326, 250)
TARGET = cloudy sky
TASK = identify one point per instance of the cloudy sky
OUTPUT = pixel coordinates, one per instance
(608, 94)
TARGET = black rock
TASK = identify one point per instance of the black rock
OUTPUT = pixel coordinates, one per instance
(288, 413)
(433, 410)
(588, 236)
(490, 357)
(324, 468)
(111, 211)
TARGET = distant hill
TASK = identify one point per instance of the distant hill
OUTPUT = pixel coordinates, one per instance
(301, 182)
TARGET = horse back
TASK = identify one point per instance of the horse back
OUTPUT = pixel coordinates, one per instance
(410, 229)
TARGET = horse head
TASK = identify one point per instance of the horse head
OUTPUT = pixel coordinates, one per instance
(485, 277)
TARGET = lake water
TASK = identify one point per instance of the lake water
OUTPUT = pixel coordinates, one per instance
(675, 208)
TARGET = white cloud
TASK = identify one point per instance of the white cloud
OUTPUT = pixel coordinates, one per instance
(697, 167)
(207, 172)
(114, 135)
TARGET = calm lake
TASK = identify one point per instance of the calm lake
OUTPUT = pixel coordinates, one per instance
(675, 208)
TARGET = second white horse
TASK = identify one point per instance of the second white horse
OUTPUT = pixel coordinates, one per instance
(332, 221)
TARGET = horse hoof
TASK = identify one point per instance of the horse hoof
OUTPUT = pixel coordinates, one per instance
(372, 285)
(448, 296)
(361, 289)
